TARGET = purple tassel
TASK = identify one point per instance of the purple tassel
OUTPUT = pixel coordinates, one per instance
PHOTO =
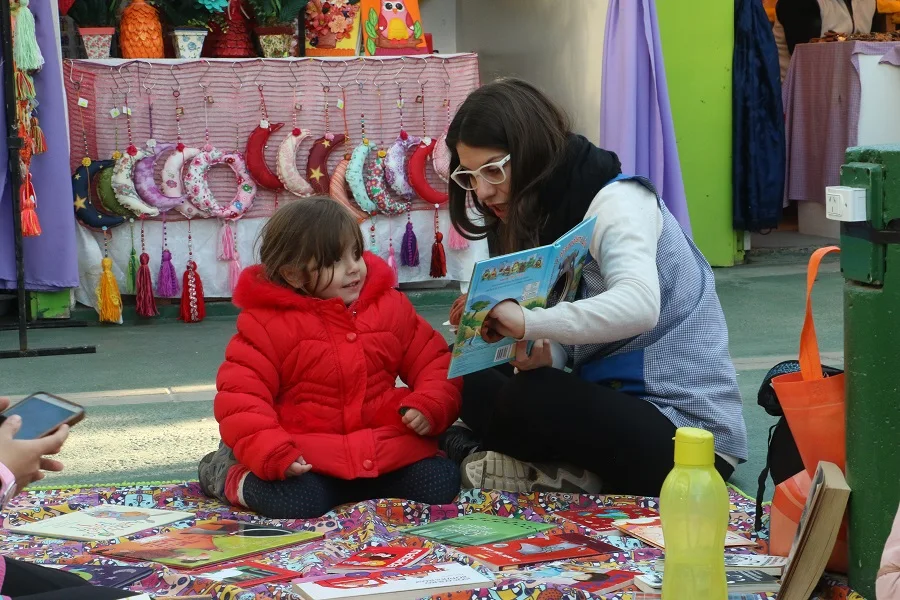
(409, 248)
(167, 283)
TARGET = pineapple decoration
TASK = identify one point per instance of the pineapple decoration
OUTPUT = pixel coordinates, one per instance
(140, 31)
(235, 41)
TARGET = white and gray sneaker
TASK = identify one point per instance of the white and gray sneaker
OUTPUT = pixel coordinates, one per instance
(495, 471)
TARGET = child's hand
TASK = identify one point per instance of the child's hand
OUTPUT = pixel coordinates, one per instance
(298, 467)
(416, 421)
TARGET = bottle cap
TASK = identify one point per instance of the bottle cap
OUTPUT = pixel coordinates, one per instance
(694, 447)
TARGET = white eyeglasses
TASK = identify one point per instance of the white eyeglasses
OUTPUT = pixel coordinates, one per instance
(493, 173)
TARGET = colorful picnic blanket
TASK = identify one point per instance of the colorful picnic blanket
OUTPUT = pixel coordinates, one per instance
(347, 529)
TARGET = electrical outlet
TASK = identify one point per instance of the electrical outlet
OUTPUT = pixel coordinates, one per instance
(844, 203)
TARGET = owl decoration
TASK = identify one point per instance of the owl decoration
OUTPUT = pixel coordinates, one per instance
(392, 27)
(395, 21)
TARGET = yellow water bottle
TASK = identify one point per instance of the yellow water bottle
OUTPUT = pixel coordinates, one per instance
(693, 507)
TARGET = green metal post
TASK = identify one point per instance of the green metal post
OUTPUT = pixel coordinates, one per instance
(870, 262)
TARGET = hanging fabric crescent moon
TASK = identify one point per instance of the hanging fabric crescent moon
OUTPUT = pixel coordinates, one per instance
(145, 183)
(355, 179)
(338, 190)
(123, 183)
(417, 174)
(255, 156)
(440, 158)
(106, 194)
(173, 181)
(396, 165)
(286, 164)
(377, 188)
(317, 165)
(85, 212)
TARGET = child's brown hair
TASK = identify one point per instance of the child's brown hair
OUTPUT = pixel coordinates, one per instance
(316, 229)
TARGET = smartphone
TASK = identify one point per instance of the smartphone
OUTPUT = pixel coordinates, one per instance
(42, 414)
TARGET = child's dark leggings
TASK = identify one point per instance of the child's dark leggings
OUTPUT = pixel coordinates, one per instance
(432, 481)
(26, 581)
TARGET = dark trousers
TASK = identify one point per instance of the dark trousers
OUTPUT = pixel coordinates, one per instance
(549, 415)
(26, 581)
(432, 481)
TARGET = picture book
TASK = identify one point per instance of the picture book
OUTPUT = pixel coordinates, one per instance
(406, 583)
(816, 533)
(773, 565)
(596, 581)
(748, 582)
(207, 543)
(536, 278)
(531, 551)
(113, 576)
(333, 28)
(380, 557)
(649, 530)
(102, 523)
(477, 529)
(247, 574)
(392, 28)
(600, 519)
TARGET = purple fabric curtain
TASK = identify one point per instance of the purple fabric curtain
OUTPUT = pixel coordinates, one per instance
(51, 262)
(635, 116)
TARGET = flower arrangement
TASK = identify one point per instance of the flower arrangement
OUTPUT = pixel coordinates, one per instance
(191, 13)
(94, 13)
(330, 21)
(270, 13)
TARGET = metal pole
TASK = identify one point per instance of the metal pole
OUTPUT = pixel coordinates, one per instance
(870, 259)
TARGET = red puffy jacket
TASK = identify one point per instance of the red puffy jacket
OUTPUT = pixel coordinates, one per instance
(311, 377)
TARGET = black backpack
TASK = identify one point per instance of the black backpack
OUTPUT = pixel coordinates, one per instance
(783, 459)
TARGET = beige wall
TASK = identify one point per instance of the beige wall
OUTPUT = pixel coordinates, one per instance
(439, 17)
(557, 45)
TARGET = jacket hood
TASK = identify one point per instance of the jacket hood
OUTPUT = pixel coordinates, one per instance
(255, 290)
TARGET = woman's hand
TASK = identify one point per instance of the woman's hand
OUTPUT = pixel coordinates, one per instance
(298, 467)
(539, 358)
(507, 319)
(26, 459)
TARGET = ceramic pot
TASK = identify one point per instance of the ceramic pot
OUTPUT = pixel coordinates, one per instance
(189, 41)
(275, 42)
(97, 41)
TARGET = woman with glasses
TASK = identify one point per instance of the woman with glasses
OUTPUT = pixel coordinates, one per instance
(643, 349)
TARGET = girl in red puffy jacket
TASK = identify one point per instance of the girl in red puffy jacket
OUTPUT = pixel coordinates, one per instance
(308, 406)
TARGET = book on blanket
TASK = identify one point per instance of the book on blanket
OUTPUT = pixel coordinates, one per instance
(600, 519)
(379, 558)
(477, 529)
(113, 576)
(531, 551)
(207, 543)
(747, 582)
(649, 530)
(101, 523)
(536, 278)
(816, 534)
(773, 565)
(405, 583)
(596, 581)
(246, 574)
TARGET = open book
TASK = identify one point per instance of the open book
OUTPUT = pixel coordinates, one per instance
(536, 278)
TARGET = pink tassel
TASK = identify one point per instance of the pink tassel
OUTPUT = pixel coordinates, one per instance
(392, 263)
(457, 242)
(226, 251)
(167, 283)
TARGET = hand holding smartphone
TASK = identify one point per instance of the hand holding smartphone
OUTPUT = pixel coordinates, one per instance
(42, 414)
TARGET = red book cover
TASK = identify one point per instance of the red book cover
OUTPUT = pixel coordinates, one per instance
(380, 557)
(530, 551)
(600, 519)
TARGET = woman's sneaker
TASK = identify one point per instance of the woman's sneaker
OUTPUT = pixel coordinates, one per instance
(495, 471)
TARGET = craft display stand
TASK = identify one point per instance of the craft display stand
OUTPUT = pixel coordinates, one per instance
(14, 143)
(349, 87)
